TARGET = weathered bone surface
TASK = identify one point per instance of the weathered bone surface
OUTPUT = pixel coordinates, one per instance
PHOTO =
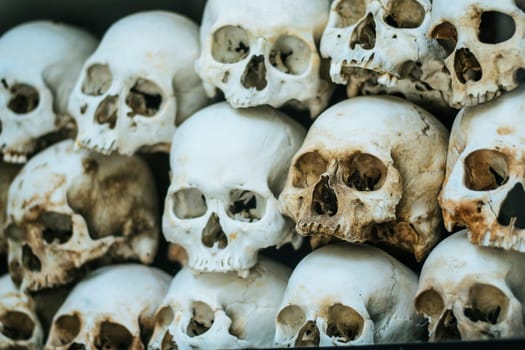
(139, 84)
(264, 52)
(19, 325)
(111, 308)
(39, 64)
(470, 292)
(344, 294)
(7, 173)
(70, 208)
(485, 46)
(228, 167)
(213, 310)
(370, 169)
(484, 183)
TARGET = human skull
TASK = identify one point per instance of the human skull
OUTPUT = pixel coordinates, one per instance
(213, 310)
(139, 84)
(469, 292)
(39, 64)
(19, 325)
(484, 44)
(264, 52)
(366, 298)
(370, 169)
(69, 209)
(7, 173)
(112, 308)
(484, 184)
(228, 167)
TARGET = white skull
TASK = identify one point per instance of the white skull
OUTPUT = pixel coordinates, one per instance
(370, 169)
(39, 64)
(484, 183)
(213, 310)
(365, 298)
(470, 292)
(228, 167)
(112, 308)
(7, 173)
(264, 52)
(69, 209)
(19, 325)
(138, 84)
(484, 44)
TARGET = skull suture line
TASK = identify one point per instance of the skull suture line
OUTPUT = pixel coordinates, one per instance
(228, 167)
(264, 52)
(139, 84)
(7, 173)
(370, 169)
(68, 209)
(39, 64)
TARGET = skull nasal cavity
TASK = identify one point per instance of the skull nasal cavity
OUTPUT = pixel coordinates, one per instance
(254, 75)
(364, 34)
(30, 260)
(511, 211)
(212, 234)
(324, 199)
(467, 66)
(447, 329)
(202, 319)
(308, 335)
(106, 112)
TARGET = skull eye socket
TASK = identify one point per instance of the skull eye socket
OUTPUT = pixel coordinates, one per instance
(290, 55)
(65, 329)
(162, 320)
(404, 14)
(144, 98)
(495, 27)
(230, 44)
(16, 325)
(113, 336)
(97, 80)
(24, 99)
(487, 304)
(520, 4)
(344, 323)
(246, 206)
(307, 169)
(429, 303)
(349, 12)
(446, 35)
(364, 172)
(291, 318)
(486, 170)
(202, 319)
(14, 233)
(189, 203)
(57, 227)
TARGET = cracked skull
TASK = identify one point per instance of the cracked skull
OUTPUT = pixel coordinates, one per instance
(228, 167)
(470, 292)
(7, 173)
(39, 64)
(264, 52)
(367, 298)
(139, 84)
(370, 169)
(71, 209)
(112, 308)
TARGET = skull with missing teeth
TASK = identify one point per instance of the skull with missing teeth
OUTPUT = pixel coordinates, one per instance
(228, 167)
(138, 84)
(264, 52)
(39, 64)
(68, 209)
(370, 169)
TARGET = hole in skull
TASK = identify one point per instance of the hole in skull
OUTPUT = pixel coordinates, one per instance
(202, 319)
(254, 75)
(30, 260)
(230, 44)
(486, 170)
(14, 233)
(324, 199)
(308, 335)
(212, 233)
(447, 328)
(97, 80)
(76, 346)
(349, 12)
(4, 83)
(467, 66)
(429, 303)
(168, 343)
(487, 304)
(404, 14)
(16, 272)
(113, 336)
(446, 35)
(189, 203)
(290, 55)
(16, 325)
(292, 316)
(511, 210)
(307, 169)
(410, 70)
(56, 227)
(106, 112)
(64, 330)
(246, 206)
(520, 4)
(495, 27)
(24, 99)
(364, 172)
(144, 98)
(344, 323)
(364, 34)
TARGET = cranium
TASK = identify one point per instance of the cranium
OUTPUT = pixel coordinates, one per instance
(7, 173)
